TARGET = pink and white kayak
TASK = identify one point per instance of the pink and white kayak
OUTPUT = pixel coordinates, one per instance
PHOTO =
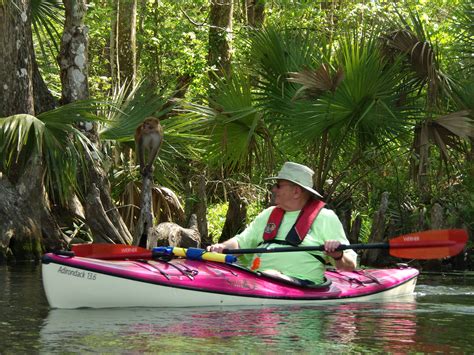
(75, 282)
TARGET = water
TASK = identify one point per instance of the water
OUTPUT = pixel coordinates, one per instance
(438, 318)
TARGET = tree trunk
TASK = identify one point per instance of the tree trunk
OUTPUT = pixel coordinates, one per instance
(145, 221)
(196, 204)
(437, 219)
(220, 34)
(43, 99)
(113, 55)
(102, 217)
(16, 59)
(355, 230)
(123, 43)
(18, 65)
(420, 164)
(201, 210)
(127, 42)
(436, 222)
(73, 61)
(140, 29)
(26, 224)
(255, 12)
(236, 216)
(371, 256)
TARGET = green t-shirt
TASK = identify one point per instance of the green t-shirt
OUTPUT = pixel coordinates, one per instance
(296, 264)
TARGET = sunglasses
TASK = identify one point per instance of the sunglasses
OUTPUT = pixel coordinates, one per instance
(279, 185)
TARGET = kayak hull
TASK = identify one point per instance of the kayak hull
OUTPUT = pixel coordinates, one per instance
(76, 282)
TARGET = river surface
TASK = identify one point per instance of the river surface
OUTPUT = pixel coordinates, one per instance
(438, 318)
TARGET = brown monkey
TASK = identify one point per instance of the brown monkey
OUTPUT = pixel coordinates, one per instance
(148, 139)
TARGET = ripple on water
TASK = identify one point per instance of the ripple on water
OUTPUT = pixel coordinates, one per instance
(426, 290)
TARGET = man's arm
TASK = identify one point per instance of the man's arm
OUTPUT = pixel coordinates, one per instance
(343, 261)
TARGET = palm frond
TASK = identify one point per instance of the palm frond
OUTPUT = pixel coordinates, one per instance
(53, 137)
(129, 108)
(278, 52)
(21, 136)
(464, 94)
(419, 52)
(457, 123)
(363, 106)
(447, 133)
(238, 137)
(183, 137)
(412, 40)
(463, 20)
(46, 18)
(315, 82)
(166, 204)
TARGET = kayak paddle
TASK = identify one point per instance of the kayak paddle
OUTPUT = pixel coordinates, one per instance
(433, 244)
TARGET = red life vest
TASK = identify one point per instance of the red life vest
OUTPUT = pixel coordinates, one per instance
(299, 230)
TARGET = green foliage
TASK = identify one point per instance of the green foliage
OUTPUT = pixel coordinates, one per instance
(238, 136)
(129, 109)
(216, 214)
(277, 52)
(171, 45)
(47, 17)
(53, 137)
(253, 209)
(78, 232)
(362, 108)
(326, 84)
(216, 218)
(99, 22)
(182, 140)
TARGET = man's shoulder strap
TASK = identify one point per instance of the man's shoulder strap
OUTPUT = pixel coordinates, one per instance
(273, 223)
(306, 218)
(299, 230)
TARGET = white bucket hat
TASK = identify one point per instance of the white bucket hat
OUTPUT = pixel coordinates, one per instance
(298, 174)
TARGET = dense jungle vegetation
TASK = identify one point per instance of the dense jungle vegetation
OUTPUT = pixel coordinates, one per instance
(375, 96)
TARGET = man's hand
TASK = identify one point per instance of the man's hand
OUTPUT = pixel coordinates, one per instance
(219, 247)
(330, 247)
(216, 248)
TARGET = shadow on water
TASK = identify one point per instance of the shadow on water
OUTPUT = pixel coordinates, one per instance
(23, 308)
(438, 318)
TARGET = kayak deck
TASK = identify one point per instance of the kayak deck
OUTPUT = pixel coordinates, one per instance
(72, 282)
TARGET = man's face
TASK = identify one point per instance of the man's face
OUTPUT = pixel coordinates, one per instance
(283, 192)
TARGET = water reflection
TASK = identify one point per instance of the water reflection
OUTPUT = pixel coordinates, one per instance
(389, 327)
(439, 318)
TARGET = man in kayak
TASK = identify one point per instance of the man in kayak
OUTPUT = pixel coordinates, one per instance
(297, 219)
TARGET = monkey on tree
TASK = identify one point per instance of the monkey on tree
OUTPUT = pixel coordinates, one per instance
(148, 139)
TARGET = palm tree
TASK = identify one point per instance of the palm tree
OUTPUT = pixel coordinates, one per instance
(43, 162)
(444, 123)
(338, 101)
(328, 117)
(239, 141)
(64, 151)
(182, 141)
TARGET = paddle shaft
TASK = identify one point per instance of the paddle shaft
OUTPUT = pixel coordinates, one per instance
(305, 248)
(394, 245)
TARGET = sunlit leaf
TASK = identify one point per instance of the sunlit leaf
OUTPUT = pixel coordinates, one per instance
(458, 123)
